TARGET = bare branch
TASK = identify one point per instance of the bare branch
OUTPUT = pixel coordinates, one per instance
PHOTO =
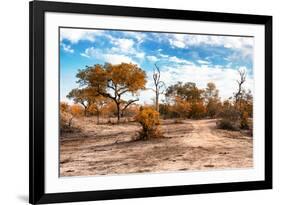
(124, 91)
(162, 84)
(150, 89)
(106, 95)
(129, 103)
(158, 70)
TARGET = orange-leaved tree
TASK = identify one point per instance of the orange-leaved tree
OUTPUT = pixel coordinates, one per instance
(113, 82)
(97, 106)
(212, 100)
(190, 93)
(181, 107)
(84, 96)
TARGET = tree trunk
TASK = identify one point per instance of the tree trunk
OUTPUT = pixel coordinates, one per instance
(118, 112)
(157, 101)
(98, 117)
(70, 122)
(85, 110)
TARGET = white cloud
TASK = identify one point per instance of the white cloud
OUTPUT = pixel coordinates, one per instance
(178, 40)
(172, 59)
(177, 43)
(179, 60)
(152, 58)
(225, 41)
(243, 45)
(107, 56)
(203, 62)
(146, 96)
(90, 52)
(139, 36)
(76, 35)
(116, 59)
(123, 45)
(163, 55)
(67, 48)
(140, 55)
(84, 55)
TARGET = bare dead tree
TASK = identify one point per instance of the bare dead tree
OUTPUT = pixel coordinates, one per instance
(158, 85)
(239, 94)
(242, 75)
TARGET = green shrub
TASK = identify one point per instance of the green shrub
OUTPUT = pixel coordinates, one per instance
(227, 124)
(230, 113)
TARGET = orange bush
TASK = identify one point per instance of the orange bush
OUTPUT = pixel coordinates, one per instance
(198, 110)
(67, 113)
(149, 120)
(181, 107)
(64, 107)
(76, 110)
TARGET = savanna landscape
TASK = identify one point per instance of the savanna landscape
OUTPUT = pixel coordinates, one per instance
(134, 102)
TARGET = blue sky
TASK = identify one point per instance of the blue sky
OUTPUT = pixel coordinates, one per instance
(181, 57)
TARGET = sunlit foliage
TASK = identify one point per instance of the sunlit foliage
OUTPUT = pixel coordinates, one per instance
(149, 120)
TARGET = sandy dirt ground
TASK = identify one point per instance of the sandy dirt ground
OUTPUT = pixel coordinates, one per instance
(190, 145)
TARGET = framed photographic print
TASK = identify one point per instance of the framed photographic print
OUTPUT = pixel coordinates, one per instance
(141, 102)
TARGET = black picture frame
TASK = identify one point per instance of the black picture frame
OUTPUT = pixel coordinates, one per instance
(37, 193)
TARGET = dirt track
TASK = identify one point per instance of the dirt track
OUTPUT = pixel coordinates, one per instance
(190, 145)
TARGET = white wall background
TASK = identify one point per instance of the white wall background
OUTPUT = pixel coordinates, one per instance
(14, 100)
